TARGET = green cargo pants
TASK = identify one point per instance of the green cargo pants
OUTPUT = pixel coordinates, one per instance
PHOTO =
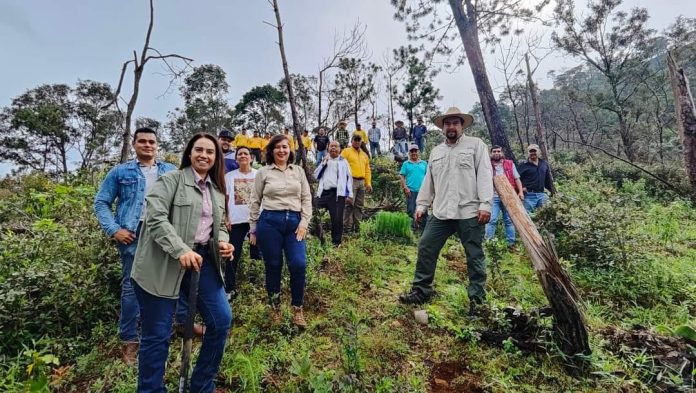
(431, 242)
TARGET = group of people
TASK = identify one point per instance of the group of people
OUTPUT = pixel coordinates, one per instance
(169, 222)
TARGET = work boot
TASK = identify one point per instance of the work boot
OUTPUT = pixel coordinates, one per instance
(475, 307)
(414, 297)
(129, 352)
(298, 317)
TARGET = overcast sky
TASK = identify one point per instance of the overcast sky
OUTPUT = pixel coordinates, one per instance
(49, 41)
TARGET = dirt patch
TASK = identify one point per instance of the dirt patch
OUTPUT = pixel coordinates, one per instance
(453, 377)
(666, 355)
(457, 265)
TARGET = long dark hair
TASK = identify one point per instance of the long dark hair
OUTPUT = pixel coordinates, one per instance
(217, 172)
(272, 144)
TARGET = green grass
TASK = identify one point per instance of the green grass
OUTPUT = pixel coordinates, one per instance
(360, 339)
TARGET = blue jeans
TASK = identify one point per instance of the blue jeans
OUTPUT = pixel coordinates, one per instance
(401, 147)
(535, 200)
(320, 156)
(496, 209)
(130, 313)
(421, 144)
(156, 321)
(238, 233)
(375, 149)
(411, 211)
(276, 236)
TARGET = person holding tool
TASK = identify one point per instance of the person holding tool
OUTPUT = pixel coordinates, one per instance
(182, 241)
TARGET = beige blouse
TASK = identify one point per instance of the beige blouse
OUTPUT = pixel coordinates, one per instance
(276, 189)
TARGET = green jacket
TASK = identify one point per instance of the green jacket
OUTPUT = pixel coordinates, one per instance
(173, 210)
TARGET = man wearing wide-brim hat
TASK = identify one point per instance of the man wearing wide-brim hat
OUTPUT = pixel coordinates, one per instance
(458, 184)
(400, 136)
(342, 134)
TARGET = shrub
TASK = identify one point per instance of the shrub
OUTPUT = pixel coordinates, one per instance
(59, 275)
(386, 185)
(592, 224)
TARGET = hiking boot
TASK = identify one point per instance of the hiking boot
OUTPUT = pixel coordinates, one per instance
(298, 317)
(414, 297)
(129, 352)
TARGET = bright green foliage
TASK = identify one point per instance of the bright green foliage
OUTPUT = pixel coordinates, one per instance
(397, 225)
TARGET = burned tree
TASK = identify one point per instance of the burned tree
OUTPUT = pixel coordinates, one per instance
(147, 53)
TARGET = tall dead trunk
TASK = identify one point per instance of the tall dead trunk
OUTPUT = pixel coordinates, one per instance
(540, 131)
(302, 154)
(569, 322)
(686, 118)
(138, 68)
(288, 81)
(468, 30)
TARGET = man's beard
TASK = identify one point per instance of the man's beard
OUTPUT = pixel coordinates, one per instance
(451, 135)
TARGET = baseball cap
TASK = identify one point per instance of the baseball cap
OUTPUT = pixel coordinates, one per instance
(413, 146)
(225, 134)
(533, 146)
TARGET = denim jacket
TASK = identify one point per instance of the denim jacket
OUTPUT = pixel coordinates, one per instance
(126, 183)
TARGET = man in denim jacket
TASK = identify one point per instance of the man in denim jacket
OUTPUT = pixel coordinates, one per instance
(128, 183)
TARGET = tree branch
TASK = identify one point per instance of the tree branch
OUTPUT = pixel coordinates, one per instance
(614, 156)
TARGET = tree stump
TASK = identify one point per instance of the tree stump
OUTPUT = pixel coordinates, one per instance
(569, 322)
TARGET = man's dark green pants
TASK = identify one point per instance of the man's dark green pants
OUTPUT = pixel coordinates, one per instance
(434, 236)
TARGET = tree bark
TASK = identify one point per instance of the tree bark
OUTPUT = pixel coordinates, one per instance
(569, 322)
(686, 118)
(468, 30)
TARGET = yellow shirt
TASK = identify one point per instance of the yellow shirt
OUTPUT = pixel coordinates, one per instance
(359, 164)
(241, 140)
(264, 143)
(363, 135)
(255, 142)
(307, 142)
(291, 141)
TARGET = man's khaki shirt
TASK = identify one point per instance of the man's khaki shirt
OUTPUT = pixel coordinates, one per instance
(459, 180)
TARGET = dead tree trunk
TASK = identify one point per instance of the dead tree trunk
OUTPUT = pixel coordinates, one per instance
(569, 322)
(293, 110)
(686, 118)
(138, 68)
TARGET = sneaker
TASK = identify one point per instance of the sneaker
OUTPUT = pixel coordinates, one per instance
(414, 297)
(298, 317)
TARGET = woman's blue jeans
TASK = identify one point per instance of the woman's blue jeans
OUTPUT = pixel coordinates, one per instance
(275, 234)
(156, 316)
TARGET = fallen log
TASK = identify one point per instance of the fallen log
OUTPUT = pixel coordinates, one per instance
(569, 322)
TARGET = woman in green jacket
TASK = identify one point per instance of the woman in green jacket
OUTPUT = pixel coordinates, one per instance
(183, 230)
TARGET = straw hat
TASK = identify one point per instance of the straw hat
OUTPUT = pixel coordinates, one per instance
(467, 119)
